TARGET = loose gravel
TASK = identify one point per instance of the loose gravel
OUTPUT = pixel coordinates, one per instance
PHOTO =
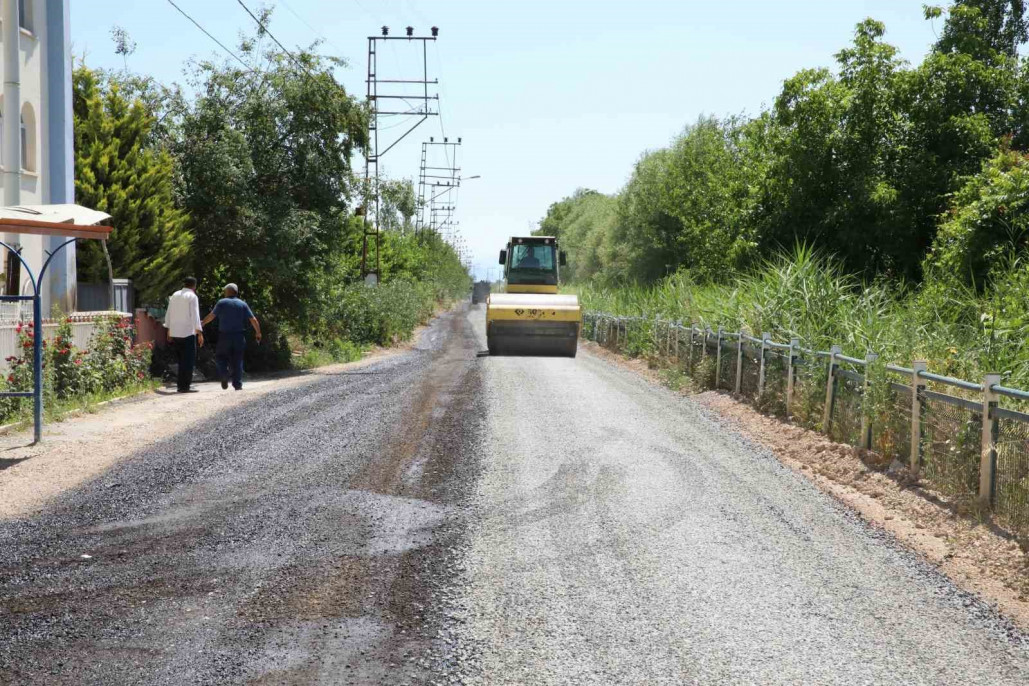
(303, 537)
(442, 518)
(622, 536)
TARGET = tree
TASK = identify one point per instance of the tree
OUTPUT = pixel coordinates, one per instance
(582, 223)
(265, 175)
(988, 221)
(118, 173)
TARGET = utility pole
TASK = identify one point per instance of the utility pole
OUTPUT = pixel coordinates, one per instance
(437, 179)
(404, 98)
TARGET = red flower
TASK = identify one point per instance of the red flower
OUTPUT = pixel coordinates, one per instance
(78, 361)
(140, 375)
(10, 378)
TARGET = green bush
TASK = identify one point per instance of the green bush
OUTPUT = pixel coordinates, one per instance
(110, 364)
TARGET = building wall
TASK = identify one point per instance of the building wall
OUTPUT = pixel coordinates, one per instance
(48, 173)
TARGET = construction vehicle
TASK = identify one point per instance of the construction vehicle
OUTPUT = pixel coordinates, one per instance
(480, 291)
(530, 317)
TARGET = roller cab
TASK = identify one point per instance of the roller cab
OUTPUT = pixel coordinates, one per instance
(531, 317)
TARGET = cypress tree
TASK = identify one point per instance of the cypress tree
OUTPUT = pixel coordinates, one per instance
(117, 172)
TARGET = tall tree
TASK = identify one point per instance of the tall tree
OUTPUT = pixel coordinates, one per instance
(117, 172)
(265, 176)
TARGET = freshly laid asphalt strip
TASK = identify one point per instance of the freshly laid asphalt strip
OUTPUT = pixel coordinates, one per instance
(439, 517)
(623, 536)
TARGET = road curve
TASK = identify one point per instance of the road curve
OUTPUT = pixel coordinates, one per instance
(441, 517)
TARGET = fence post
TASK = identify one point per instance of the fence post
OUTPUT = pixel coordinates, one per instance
(765, 337)
(988, 461)
(703, 348)
(830, 389)
(916, 414)
(678, 330)
(866, 423)
(718, 357)
(739, 361)
(689, 358)
(794, 344)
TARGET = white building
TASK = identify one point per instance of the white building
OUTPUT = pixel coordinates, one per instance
(36, 137)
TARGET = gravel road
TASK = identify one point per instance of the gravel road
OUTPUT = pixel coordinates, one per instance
(438, 517)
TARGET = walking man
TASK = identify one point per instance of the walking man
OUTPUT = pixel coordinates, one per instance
(185, 332)
(233, 315)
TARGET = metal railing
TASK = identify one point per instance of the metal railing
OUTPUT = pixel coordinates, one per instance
(956, 435)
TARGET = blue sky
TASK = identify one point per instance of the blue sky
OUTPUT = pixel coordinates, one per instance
(548, 96)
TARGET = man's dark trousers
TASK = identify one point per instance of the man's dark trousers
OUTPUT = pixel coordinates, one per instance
(229, 356)
(186, 352)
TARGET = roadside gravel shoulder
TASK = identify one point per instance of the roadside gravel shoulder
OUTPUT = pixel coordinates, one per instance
(976, 556)
(79, 448)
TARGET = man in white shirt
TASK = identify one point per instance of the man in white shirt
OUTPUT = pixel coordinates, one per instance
(185, 333)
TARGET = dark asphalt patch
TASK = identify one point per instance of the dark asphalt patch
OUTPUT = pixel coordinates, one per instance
(308, 536)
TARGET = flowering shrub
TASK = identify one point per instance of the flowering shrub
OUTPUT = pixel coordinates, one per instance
(110, 363)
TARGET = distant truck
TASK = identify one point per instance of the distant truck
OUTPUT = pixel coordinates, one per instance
(480, 290)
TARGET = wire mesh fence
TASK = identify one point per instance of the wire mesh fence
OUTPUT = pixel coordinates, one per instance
(845, 419)
(750, 370)
(727, 366)
(809, 392)
(951, 445)
(1011, 488)
(891, 424)
(773, 398)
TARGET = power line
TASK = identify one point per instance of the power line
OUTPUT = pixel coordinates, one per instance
(313, 29)
(206, 33)
(272, 36)
(443, 87)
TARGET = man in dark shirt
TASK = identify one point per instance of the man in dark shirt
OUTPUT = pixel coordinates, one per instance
(233, 315)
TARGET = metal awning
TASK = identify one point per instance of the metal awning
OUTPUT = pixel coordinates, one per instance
(69, 221)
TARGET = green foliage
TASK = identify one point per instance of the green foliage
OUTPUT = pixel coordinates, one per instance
(583, 224)
(111, 365)
(860, 161)
(259, 164)
(265, 177)
(117, 172)
(808, 296)
(989, 219)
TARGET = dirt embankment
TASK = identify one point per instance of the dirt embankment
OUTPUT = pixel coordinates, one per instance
(976, 555)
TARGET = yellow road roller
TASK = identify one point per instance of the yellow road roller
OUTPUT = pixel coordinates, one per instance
(530, 317)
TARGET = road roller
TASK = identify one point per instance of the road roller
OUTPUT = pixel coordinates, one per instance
(530, 317)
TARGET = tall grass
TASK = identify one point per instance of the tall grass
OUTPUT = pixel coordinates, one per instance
(807, 295)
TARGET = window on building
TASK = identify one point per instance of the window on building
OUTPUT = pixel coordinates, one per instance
(25, 14)
(28, 138)
(12, 276)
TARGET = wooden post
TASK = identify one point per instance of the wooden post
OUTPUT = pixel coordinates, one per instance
(988, 460)
(830, 389)
(917, 382)
(866, 424)
(739, 361)
(765, 337)
(790, 375)
(678, 330)
(718, 357)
